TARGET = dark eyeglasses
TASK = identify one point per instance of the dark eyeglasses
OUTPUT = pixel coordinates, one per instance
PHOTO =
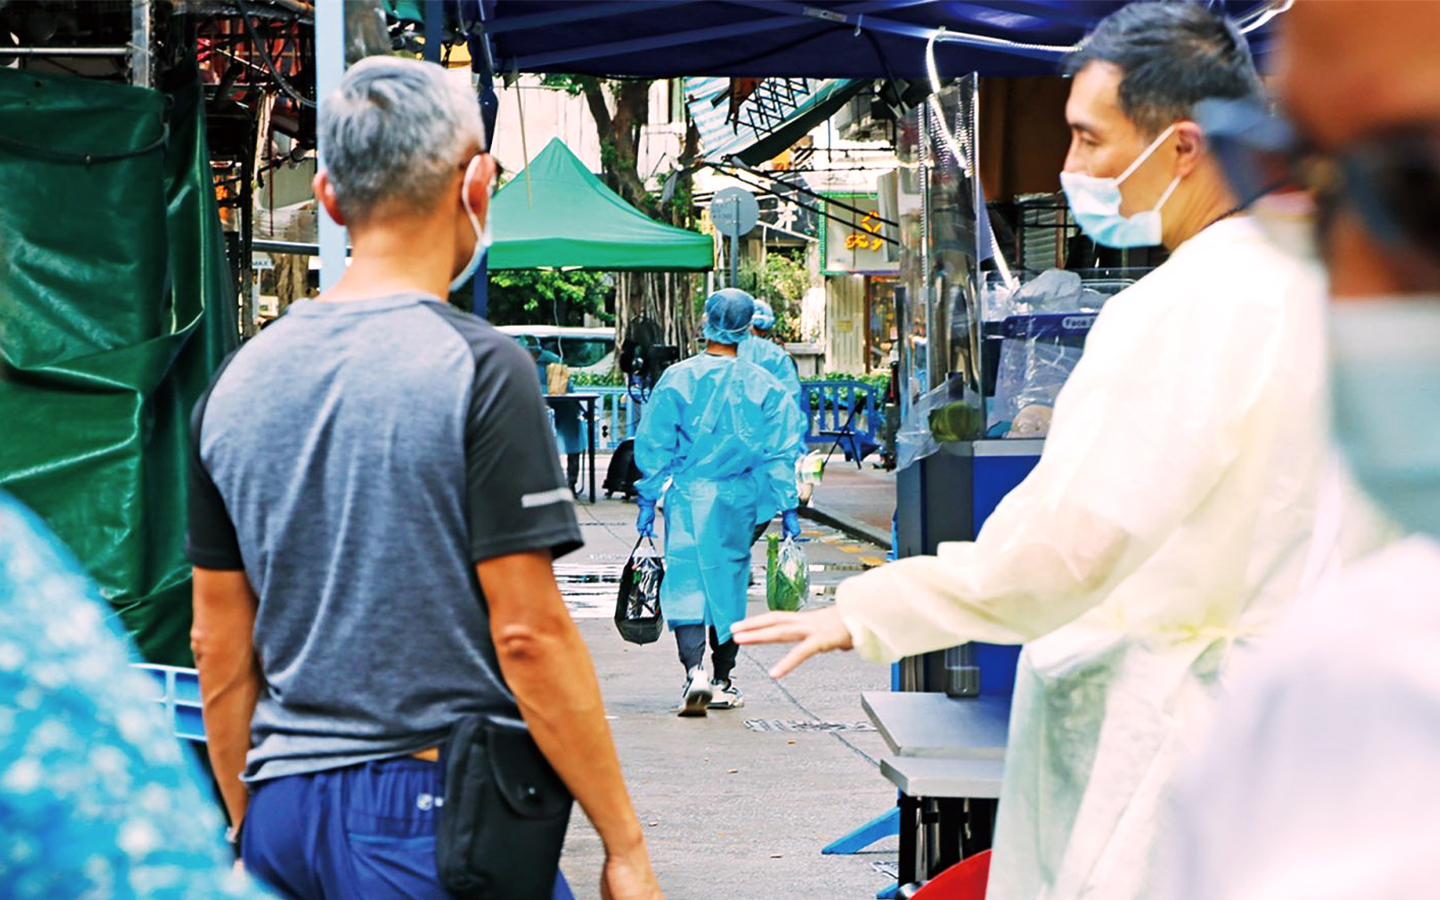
(1391, 181)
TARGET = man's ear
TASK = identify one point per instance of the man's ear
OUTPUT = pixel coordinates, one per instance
(479, 196)
(325, 193)
(1189, 147)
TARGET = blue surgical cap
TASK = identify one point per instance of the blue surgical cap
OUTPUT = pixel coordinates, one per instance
(728, 314)
(764, 316)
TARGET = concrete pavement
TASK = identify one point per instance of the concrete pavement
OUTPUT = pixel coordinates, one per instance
(857, 501)
(739, 804)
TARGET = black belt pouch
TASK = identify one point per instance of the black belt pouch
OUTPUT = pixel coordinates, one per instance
(505, 814)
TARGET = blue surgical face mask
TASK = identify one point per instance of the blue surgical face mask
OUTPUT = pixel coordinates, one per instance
(1385, 397)
(482, 235)
(1095, 204)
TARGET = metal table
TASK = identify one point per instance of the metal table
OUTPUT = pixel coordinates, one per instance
(589, 401)
(948, 766)
(919, 777)
(935, 725)
(951, 803)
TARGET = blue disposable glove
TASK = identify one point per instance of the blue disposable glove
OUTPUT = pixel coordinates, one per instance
(790, 524)
(646, 523)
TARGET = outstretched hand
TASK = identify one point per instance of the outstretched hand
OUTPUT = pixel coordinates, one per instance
(812, 632)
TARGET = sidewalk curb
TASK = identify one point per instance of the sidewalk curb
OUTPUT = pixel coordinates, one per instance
(853, 527)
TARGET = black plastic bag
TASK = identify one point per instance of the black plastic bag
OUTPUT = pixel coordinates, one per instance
(637, 608)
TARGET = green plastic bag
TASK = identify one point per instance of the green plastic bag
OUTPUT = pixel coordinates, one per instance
(787, 575)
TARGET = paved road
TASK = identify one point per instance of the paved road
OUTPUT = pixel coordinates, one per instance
(736, 806)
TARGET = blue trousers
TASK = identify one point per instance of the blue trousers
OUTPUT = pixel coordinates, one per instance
(364, 831)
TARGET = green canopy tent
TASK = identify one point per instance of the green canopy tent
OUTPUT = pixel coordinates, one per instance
(558, 215)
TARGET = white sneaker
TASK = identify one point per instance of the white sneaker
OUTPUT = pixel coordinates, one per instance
(696, 698)
(725, 695)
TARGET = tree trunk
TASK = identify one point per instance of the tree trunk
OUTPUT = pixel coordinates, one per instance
(665, 297)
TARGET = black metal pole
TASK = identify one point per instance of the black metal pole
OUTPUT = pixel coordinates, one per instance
(433, 14)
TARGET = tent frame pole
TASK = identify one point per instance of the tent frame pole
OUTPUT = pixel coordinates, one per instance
(329, 69)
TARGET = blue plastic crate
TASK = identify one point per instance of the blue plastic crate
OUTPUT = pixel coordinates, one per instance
(178, 691)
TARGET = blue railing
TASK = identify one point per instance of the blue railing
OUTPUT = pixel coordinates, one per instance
(844, 412)
(827, 407)
(617, 415)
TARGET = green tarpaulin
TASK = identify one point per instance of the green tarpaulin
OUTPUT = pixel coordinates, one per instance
(116, 304)
(562, 216)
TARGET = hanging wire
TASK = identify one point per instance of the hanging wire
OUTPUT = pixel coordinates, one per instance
(1275, 8)
(1260, 18)
(962, 154)
(265, 57)
(980, 40)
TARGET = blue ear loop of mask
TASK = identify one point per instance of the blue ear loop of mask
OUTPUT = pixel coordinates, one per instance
(482, 235)
(1095, 204)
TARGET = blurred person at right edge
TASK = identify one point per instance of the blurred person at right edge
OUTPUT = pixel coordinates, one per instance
(1318, 780)
(1179, 506)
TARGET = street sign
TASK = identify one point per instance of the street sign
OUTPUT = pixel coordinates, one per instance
(734, 211)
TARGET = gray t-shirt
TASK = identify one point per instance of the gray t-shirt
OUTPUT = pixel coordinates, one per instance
(357, 459)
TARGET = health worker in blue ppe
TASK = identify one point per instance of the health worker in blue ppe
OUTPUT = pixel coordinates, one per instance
(569, 432)
(765, 353)
(759, 349)
(1318, 778)
(1173, 517)
(724, 434)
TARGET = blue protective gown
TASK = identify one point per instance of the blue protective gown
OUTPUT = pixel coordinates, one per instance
(772, 358)
(568, 431)
(727, 434)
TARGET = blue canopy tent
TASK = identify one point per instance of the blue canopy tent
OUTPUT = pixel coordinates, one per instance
(836, 39)
(833, 39)
(786, 38)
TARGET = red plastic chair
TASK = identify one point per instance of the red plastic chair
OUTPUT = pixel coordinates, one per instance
(963, 881)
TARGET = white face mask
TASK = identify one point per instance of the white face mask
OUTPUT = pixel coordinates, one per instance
(1384, 372)
(1095, 204)
(482, 235)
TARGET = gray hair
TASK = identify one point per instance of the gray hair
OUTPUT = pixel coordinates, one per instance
(394, 133)
(1171, 55)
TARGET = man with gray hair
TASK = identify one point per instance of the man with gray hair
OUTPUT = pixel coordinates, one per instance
(1173, 515)
(375, 502)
